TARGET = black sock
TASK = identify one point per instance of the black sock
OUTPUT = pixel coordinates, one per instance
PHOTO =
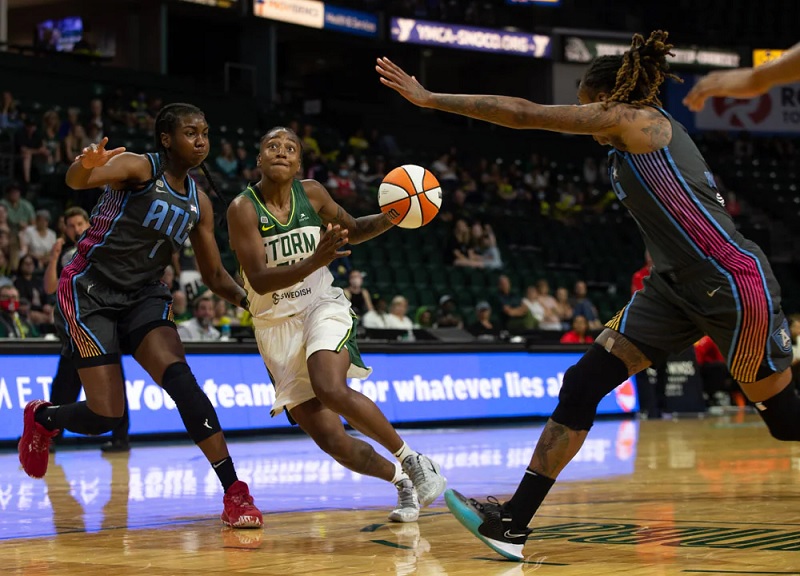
(61, 417)
(225, 472)
(528, 497)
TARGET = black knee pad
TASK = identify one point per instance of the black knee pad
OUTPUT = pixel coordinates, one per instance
(197, 412)
(93, 424)
(596, 374)
(781, 414)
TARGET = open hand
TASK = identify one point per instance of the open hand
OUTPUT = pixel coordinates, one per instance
(397, 79)
(96, 155)
(733, 83)
(55, 251)
(331, 239)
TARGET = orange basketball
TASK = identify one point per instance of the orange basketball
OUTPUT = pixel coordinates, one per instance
(410, 196)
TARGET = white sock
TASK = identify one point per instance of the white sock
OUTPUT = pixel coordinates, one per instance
(404, 453)
(399, 474)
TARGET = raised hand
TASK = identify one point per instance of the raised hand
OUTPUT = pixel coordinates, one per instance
(397, 79)
(331, 239)
(96, 155)
(732, 83)
(55, 251)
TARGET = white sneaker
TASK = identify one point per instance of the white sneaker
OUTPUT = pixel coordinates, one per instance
(407, 503)
(425, 475)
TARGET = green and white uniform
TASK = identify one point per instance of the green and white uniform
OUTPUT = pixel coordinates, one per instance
(294, 322)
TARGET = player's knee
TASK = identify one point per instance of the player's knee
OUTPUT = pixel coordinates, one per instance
(336, 398)
(94, 424)
(585, 384)
(196, 410)
(781, 414)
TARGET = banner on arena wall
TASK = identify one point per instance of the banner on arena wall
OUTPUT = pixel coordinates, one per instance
(350, 21)
(310, 13)
(470, 38)
(776, 111)
(764, 55)
(583, 50)
(407, 388)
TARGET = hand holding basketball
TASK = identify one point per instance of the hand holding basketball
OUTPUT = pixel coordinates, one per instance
(96, 155)
(331, 239)
(397, 79)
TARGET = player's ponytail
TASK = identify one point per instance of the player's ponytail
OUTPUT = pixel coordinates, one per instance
(636, 76)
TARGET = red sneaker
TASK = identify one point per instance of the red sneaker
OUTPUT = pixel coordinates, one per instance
(239, 511)
(34, 446)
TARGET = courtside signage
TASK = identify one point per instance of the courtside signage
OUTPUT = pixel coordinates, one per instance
(407, 388)
(776, 111)
(350, 21)
(470, 38)
(585, 50)
(308, 13)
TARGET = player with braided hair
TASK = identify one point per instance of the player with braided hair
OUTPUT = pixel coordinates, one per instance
(706, 277)
(111, 300)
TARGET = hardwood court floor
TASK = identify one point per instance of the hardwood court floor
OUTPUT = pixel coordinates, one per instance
(694, 497)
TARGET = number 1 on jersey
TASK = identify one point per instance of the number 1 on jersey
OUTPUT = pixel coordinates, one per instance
(155, 248)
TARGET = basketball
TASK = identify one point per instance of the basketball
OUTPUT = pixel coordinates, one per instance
(410, 196)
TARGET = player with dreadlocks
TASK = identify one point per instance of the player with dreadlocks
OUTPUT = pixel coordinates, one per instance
(706, 277)
(111, 300)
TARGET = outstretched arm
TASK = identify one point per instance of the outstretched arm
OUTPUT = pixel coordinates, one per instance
(746, 82)
(249, 247)
(597, 119)
(359, 229)
(97, 167)
(209, 260)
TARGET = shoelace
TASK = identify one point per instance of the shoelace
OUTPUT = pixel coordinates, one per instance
(242, 499)
(405, 498)
(419, 472)
(40, 443)
(492, 506)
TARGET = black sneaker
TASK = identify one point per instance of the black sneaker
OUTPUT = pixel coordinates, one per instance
(116, 446)
(490, 523)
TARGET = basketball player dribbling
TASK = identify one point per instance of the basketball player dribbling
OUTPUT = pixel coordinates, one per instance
(111, 299)
(706, 278)
(304, 326)
(746, 82)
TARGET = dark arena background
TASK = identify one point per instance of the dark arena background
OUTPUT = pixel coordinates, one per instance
(468, 323)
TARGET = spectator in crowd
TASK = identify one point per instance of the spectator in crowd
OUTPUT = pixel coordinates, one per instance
(551, 319)
(582, 306)
(396, 319)
(72, 120)
(531, 300)
(579, 333)
(20, 212)
(180, 307)
(200, 328)
(30, 145)
(489, 252)
(75, 141)
(170, 280)
(5, 267)
(38, 240)
(457, 250)
(515, 316)
(376, 318)
(97, 119)
(445, 171)
(227, 162)
(10, 117)
(447, 315)
(31, 289)
(563, 307)
(358, 142)
(224, 313)
(637, 281)
(423, 318)
(341, 184)
(360, 300)
(483, 325)
(93, 134)
(245, 165)
(590, 171)
(12, 325)
(50, 139)
(310, 143)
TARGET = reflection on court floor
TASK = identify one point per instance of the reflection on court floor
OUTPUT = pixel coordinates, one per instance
(285, 475)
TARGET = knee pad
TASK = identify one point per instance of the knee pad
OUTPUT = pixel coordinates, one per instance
(197, 412)
(93, 424)
(781, 414)
(586, 383)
